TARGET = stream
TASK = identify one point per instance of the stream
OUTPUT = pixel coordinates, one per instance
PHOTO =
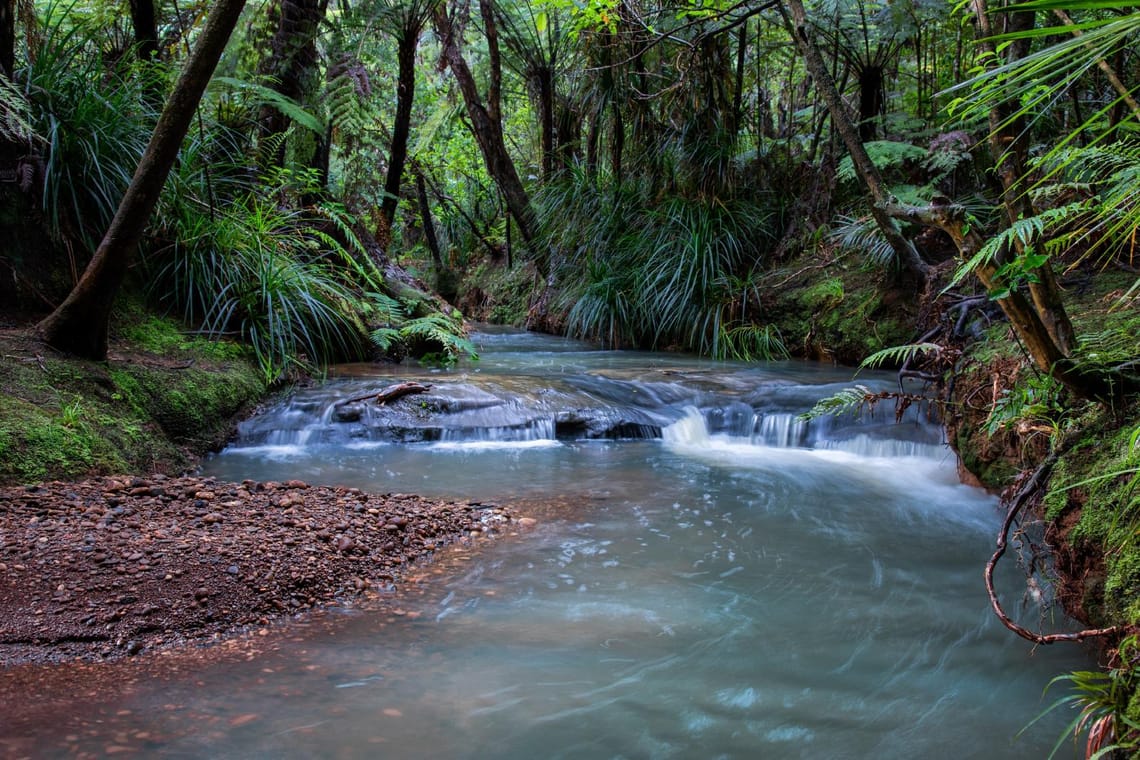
(708, 577)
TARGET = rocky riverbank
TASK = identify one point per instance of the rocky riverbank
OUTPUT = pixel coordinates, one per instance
(117, 566)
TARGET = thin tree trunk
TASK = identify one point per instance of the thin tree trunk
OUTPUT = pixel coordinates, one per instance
(488, 129)
(825, 86)
(407, 41)
(80, 324)
(428, 224)
(738, 83)
(8, 37)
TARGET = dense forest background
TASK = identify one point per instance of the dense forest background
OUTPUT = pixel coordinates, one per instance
(949, 188)
(632, 173)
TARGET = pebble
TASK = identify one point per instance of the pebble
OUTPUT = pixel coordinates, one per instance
(115, 563)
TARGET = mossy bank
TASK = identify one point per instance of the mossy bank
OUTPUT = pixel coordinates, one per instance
(160, 400)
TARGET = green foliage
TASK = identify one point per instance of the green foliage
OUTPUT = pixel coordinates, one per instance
(673, 272)
(1036, 403)
(95, 122)
(752, 343)
(1100, 701)
(847, 401)
(886, 155)
(896, 355)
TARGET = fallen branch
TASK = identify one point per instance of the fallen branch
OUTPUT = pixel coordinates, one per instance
(1015, 506)
(391, 393)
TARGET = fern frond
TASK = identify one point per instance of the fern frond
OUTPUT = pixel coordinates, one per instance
(287, 106)
(847, 400)
(15, 114)
(884, 154)
(1024, 231)
(898, 354)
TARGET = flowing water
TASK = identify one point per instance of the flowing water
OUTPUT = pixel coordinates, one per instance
(708, 578)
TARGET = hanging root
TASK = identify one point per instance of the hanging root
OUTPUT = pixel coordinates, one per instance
(1018, 501)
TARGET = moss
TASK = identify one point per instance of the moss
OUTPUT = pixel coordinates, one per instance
(136, 412)
(1098, 478)
(838, 314)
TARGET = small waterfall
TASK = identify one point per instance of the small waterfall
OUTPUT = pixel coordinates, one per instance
(781, 430)
(541, 429)
(784, 430)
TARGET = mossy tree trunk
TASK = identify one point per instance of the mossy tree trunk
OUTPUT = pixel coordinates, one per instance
(80, 324)
(291, 66)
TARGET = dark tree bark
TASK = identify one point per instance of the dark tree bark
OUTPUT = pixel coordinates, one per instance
(8, 37)
(407, 41)
(79, 325)
(485, 121)
(864, 167)
(291, 67)
(428, 224)
(145, 28)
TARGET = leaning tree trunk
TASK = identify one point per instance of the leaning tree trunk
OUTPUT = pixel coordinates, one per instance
(79, 325)
(486, 125)
(825, 85)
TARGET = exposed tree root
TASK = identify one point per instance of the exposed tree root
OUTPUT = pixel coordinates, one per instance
(1016, 504)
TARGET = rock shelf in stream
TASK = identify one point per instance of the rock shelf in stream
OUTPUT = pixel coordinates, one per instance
(112, 567)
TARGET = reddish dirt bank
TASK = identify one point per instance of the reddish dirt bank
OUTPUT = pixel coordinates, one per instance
(113, 567)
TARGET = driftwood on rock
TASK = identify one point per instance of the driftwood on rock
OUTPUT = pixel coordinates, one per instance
(391, 393)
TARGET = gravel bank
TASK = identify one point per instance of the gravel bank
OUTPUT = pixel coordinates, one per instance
(113, 567)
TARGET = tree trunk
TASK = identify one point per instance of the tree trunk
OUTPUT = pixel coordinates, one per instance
(79, 325)
(407, 42)
(1097, 385)
(1008, 147)
(428, 224)
(145, 28)
(825, 86)
(8, 38)
(291, 67)
(487, 128)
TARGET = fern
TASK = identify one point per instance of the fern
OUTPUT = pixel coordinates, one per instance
(847, 400)
(15, 114)
(1025, 232)
(441, 330)
(898, 354)
(884, 154)
(265, 95)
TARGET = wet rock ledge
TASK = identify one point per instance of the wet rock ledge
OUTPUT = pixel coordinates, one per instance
(112, 567)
